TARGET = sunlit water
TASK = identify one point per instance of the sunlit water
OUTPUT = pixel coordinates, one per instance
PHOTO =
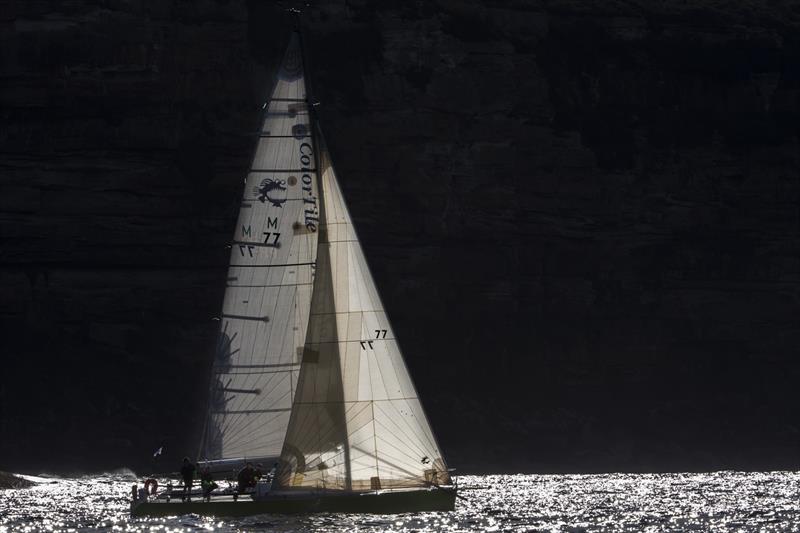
(720, 501)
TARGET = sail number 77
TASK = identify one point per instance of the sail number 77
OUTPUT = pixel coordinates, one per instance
(274, 235)
(367, 345)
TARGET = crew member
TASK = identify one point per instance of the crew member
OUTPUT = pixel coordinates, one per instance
(207, 483)
(187, 473)
(246, 478)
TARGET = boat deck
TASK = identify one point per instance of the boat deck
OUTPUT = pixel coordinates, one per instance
(388, 502)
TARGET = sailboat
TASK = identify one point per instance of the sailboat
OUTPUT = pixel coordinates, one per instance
(308, 373)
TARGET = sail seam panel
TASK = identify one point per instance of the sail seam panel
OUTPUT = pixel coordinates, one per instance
(247, 426)
(421, 444)
(247, 408)
(269, 334)
(423, 439)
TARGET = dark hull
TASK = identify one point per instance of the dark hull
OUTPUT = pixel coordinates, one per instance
(375, 503)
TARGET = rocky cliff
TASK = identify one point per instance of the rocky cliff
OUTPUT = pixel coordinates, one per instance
(584, 219)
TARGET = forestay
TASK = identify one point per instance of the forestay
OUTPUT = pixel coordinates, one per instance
(268, 292)
(357, 423)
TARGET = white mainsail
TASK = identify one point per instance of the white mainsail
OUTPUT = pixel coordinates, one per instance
(268, 293)
(356, 423)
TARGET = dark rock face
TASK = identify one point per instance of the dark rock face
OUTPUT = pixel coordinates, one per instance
(584, 220)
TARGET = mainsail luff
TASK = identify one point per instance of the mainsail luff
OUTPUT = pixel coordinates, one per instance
(357, 423)
(268, 294)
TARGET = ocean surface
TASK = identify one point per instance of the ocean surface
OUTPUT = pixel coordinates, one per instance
(719, 501)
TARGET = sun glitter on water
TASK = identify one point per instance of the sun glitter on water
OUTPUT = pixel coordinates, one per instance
(720, 501)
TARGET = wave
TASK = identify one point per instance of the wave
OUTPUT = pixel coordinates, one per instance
(122, 473)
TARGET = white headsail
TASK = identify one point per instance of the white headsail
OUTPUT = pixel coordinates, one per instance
(356, 423)
(269, 285)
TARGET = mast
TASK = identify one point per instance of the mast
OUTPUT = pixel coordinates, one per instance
(320, 146)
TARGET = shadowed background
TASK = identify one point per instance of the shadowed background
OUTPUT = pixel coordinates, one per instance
(584, 220)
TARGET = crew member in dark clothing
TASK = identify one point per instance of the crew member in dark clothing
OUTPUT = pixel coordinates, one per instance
(207, 483)
(246, 477)
(187, 472)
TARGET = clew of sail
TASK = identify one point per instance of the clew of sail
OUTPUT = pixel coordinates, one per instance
(269, 285)
(356, 423)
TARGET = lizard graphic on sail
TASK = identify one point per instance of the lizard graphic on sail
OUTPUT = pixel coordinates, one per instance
(265, 191)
